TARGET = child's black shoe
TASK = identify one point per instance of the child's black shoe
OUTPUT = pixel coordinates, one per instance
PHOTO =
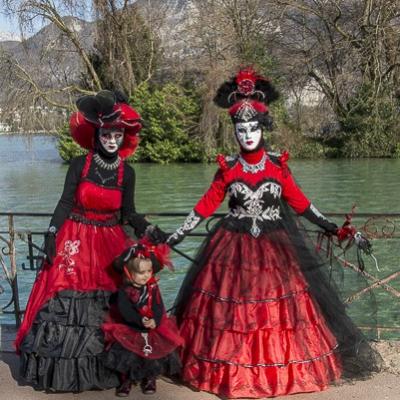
(148, 385)
(124, 389)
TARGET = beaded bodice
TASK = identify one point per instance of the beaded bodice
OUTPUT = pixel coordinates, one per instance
(255, 205)
(256, 187)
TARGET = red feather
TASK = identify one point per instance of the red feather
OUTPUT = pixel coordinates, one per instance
(161, 252)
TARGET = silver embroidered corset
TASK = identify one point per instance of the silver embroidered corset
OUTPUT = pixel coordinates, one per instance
(254, 207)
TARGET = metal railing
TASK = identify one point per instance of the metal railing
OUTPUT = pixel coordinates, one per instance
(377, 226)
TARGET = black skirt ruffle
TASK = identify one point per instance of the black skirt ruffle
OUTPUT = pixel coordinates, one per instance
(137, 368)
(64, 350)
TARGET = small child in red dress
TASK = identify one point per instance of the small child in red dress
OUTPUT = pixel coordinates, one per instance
(141, 339)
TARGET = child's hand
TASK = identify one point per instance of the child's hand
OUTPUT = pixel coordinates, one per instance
(149, 323)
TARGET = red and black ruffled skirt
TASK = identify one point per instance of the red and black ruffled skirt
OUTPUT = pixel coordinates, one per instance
(60, 340)
(250, 324)
(142, 355)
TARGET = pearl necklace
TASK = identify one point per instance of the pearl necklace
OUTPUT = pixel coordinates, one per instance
(253, 168)
(101, 163)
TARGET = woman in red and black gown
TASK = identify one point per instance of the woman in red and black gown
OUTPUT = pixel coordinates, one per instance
(257, 310)
(60, 341)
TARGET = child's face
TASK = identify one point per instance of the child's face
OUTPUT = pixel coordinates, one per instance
(144, 273)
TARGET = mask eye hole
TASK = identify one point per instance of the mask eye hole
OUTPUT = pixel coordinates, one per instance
(254, 128)
(106, 136)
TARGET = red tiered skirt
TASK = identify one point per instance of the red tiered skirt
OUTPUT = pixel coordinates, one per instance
(251, 327)
(163, 340)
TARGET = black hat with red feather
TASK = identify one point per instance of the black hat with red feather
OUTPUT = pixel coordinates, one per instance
(247, 96)
(106, 109)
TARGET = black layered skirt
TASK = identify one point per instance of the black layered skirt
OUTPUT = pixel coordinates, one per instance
(137, 368)
(64, 349)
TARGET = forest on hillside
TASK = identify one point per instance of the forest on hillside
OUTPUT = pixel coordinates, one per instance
(335, 63)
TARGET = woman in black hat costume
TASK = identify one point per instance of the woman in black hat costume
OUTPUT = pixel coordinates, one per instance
(60, 341)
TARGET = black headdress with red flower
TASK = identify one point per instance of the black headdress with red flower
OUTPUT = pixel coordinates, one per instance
(106, 109)
(247, 96)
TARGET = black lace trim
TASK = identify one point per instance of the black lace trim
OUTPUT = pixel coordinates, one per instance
(280, 365)
(270, 300)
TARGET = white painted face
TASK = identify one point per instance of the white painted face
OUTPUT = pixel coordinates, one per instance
(111, 139)
(248, 134)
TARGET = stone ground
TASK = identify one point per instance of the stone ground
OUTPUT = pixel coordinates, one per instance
(383, 386)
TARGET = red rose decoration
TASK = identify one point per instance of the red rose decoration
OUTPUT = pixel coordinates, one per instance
(246, 87)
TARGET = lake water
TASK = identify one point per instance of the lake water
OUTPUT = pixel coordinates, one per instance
(32, 176)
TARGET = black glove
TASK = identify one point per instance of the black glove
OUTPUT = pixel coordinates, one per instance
(155, 234)
(50, 246)
(139, 224)
(315, 217)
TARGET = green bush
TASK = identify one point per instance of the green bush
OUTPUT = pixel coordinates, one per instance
(396, 153)
(370, 128)
(308, 149)
(67, 147)
(170, 115)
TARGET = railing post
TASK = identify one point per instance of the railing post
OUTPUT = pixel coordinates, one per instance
(14, 275)
(30, 251)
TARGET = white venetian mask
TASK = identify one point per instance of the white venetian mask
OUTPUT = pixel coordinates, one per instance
(248, 134)
(111, 139)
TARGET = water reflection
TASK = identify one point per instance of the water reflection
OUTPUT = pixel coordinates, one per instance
(32, 177)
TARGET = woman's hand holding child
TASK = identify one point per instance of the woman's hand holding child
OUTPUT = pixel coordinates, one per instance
(149, 323)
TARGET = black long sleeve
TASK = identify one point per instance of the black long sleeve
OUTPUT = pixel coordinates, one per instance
(66, 201)
(129, 214)
(129, 311)
(128, 195)
(314, 216)
(157, 306)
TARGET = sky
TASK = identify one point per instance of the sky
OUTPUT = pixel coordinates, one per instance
(10, 24)
(7, 25)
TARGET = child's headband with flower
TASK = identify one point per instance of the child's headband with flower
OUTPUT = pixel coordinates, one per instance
(158, 254)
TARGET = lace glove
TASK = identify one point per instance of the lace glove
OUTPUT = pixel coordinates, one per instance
(315, 217)
(191, 221)
(50, 244)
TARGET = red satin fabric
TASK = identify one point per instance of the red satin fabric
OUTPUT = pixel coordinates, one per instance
(85, 252)
(164, 339)
(251, 328)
